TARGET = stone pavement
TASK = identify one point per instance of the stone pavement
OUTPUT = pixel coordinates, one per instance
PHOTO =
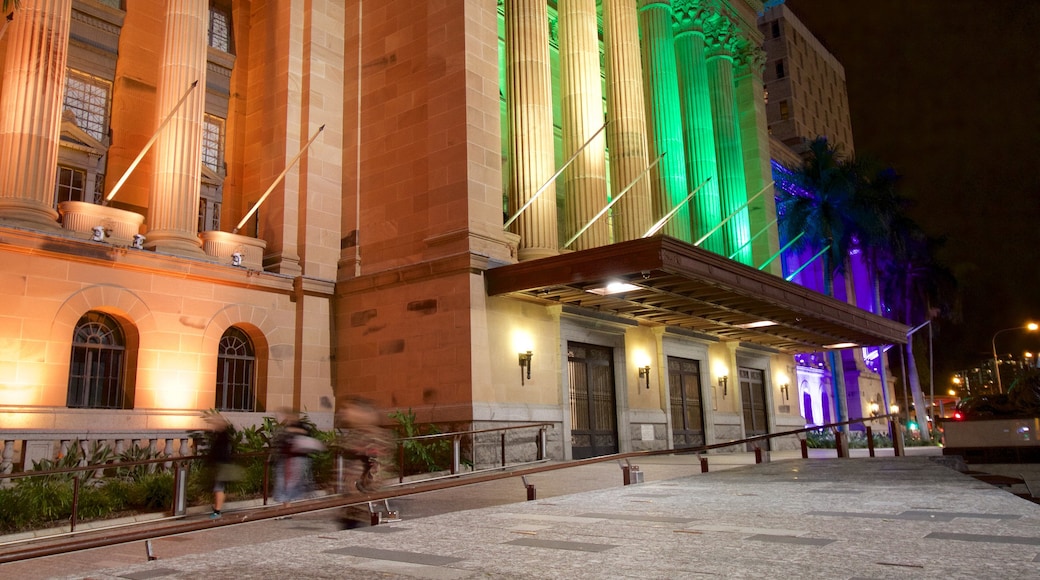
(883, 517)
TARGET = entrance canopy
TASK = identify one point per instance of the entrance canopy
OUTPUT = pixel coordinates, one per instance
(664, 281)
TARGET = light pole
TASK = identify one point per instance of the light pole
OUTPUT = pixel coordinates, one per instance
(996, 362)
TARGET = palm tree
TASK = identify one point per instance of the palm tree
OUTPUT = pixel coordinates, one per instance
(821, 212)
(917, 288)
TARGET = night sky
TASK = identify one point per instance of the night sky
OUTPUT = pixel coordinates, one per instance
(947, 92)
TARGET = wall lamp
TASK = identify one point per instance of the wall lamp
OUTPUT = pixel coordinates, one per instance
(783, 389)
(525, 364)
(723, 380)
(875, 408)
(645, 372)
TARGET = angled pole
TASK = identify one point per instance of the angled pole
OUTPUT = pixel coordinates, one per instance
(753, 238)
(777, 255)
(277, 180)
(613, 201)
(660, 223)
(553, 178)
(148, 145)
(730, 216)
(806, 264)
(7, 20)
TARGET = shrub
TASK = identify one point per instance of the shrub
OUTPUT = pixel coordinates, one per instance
(420, 456)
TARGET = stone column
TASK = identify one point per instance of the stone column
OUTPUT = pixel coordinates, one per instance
(698, 126)
(173, 204)
(585, 178)
(626, 131)
(661, 85)
(529, 106)
(732, 189)
(30, 112)
(754, 137)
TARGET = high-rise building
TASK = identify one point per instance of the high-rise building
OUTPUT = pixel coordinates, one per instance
(484, 212)
(805, 84)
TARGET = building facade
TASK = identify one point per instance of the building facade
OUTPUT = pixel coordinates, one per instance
(259, 205)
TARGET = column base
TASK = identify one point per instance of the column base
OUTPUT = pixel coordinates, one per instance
(175, 243)
(19, 214)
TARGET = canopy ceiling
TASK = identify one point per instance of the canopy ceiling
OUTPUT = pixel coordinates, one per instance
(669, 282)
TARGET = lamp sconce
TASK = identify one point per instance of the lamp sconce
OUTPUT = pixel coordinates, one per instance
(645, 372)
(875, 408)
(783, 389)
(525, 364)
(723, 380)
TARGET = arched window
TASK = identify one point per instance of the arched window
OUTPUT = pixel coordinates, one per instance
(97, 366)
(236, 373)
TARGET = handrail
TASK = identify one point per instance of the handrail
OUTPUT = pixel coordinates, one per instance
(490, 430)
(333, 502)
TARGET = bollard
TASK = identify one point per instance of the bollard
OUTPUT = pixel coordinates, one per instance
(148, 550)
(805, 448)
(180, 489)
(758, 454)
(531, 494)
(897, 438)
(870, 441)
(841, 443)
(630, 474)
(704, 464)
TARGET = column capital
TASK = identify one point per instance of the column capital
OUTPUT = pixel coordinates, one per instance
(690, 15)
(750, 59)
(721, 37)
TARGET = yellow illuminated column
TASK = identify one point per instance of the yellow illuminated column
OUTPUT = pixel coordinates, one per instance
(30, 111)
(661, 86)
(626, 130)
(173, 205)
(582, 100)
(698, 127)
(529, 106)
(732, 188)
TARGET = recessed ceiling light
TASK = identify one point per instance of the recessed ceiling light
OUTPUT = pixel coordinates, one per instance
(613, 288)
(758, 324)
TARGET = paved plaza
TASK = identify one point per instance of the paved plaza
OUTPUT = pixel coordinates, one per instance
(884, 517)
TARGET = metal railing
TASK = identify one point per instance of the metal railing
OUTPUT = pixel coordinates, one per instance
(426, 485)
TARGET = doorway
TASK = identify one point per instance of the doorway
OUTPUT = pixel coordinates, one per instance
(593, 404)
(753, 400)
(684, 388)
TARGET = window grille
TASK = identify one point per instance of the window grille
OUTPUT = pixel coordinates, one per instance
(236, 364)
(88, 98)
(96, 366)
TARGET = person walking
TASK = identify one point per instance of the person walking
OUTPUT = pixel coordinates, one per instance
(220, 460)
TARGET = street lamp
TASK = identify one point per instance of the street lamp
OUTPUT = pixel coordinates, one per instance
(996, 362)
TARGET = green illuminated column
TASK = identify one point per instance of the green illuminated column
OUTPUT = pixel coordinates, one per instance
(661, 89)
(529, 105)
(754, 136)
(626, 133)
(30, 111)
(732, 189)
(698, 127)
(582, 100)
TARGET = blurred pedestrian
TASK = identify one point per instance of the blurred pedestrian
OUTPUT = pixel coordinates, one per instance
(362, 443)
(220, 460)
(293, 446)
